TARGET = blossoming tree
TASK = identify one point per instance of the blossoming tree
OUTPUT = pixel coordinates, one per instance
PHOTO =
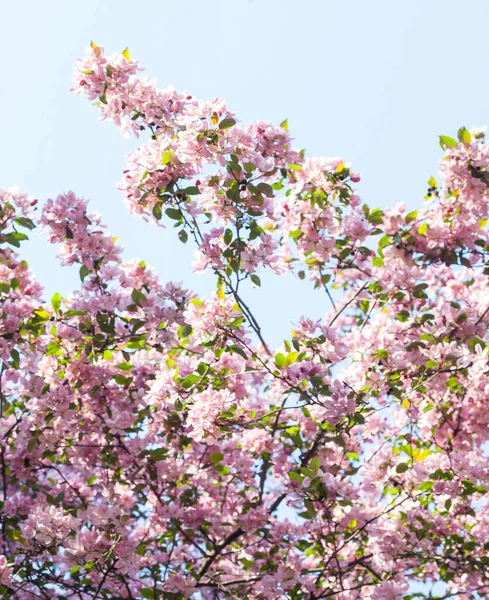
(154, 446)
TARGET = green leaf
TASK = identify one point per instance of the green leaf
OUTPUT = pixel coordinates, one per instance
(121, 380)
(14, 238)
(256, 280)
(412, 216)
(157, 454)
(315, 464)
(174, 214)
(126, 55)
(238, 350)
(184, 331)
(233, 193)
(42, 314)
(25, 222)
(447, 142)
(190, 380)
(291, 358)
(464, 136)
(14, 534)
(147, 593)
(473, 342)
(59, 498)
(167, 157)
(75, 313)
(426, 486)
(125, 366)
(227, 123)
(310, 513)
(280, 360)
(375, 216)
(52, 349)
(183, 236)
(418, 290)
(84, 271)
(216, 458)
(137, 297)
(228, 237)
(265, 189)
(402, 467)
(452, 382)
(423, 228)
(285, 124)
(56, 302)
(157, 212)
(192, 190)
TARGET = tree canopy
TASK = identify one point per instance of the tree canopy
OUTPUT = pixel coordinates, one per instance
(153, 444)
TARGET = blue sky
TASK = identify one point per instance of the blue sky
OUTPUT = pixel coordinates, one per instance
(374, 82)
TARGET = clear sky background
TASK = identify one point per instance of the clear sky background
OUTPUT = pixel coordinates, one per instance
(372, 81)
